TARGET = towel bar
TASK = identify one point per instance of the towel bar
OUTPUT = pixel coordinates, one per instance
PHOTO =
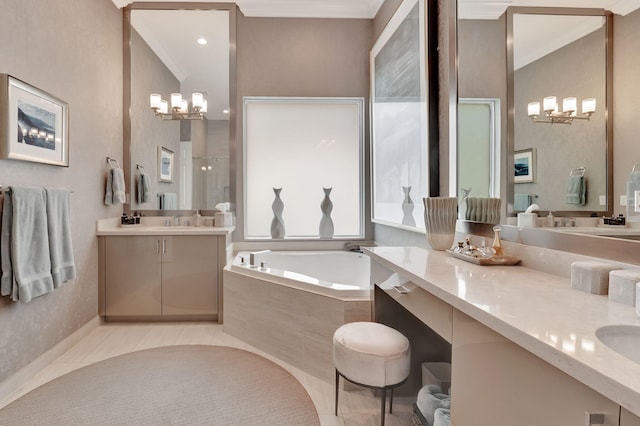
(3, 189)
(110, 162)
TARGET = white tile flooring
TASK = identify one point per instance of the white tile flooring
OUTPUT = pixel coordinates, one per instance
(107, 340)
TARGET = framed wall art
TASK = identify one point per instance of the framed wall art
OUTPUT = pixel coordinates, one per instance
(524, 162)
(34, 124)
(165, 164)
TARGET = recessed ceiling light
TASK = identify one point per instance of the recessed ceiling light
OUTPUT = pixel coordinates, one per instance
(202, 41)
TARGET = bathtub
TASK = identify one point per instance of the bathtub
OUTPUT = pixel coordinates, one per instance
(339, 274)
(291, 307)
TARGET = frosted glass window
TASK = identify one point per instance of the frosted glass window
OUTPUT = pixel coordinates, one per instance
(303, 145)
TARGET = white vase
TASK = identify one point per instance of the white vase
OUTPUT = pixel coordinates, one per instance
(440, 214)
(407, 208)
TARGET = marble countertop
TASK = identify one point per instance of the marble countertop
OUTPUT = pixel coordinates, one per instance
(155, 226)
(534, 309)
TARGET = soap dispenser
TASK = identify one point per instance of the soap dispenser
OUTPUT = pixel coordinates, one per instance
(550, 220)
(198, 218)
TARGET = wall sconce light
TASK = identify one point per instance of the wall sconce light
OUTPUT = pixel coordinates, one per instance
(179, 107)
(566, 116)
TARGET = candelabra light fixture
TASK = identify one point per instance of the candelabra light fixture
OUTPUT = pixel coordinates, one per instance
(569, 110)
(179, 107)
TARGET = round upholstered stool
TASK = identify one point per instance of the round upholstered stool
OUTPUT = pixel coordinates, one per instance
(372, 355)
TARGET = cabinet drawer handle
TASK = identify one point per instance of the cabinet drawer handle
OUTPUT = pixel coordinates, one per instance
(401, 289)
(164, 246)
(158, 246)
(593, 419)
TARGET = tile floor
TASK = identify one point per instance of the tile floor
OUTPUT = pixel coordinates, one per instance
(357, 408)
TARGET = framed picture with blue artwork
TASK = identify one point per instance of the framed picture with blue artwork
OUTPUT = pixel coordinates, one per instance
(33, 124)
(524, 162)
(165, 164)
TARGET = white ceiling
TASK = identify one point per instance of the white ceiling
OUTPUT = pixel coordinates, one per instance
(493, 9)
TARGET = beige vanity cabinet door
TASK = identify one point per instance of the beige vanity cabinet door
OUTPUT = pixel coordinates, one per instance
(496, 382)
(627, 418)
(132, 276)
(189, 275)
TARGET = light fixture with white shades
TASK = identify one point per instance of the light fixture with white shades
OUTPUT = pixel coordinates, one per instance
(179, 107)
(552, 115)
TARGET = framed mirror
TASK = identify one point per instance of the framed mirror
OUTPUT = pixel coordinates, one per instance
(189, 51)
(559, 93)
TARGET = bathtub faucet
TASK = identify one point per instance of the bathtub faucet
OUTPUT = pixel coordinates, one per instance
(253, 257)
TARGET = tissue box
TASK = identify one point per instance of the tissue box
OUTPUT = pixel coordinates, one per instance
(223, 219)
(592, 277)
(622, 286)
(437, 373)
(527, 220)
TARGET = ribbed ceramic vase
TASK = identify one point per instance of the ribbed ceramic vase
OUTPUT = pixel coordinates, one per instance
(440, 215)
(277, 223)
(407, 208)
(326, 223)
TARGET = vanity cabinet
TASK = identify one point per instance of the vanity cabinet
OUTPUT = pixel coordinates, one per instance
(163, 277)
(497, 382)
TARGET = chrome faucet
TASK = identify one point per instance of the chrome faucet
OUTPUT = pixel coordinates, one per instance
(253, 257)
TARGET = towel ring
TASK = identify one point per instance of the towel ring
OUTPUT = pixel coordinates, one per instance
(139, 167)
(110, 162)
(577, 172)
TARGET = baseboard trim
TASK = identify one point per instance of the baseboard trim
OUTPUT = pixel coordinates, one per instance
(15, 382)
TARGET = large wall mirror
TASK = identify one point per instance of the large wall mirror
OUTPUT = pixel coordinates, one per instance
(518, 56)
(184, 154)
(559, 93)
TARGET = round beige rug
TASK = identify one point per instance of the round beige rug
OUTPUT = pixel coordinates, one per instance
(173, 385)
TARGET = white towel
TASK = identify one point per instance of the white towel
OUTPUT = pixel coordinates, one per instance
(31, 263)
(115, 188)
(442, 417)
(144, 189)
(59, 228)
(430, 398)
(168, 201)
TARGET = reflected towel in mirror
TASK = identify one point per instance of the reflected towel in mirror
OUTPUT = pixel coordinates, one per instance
(576, 190)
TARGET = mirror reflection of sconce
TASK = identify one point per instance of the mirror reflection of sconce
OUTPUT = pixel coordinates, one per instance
(179, 107)
(568, 113)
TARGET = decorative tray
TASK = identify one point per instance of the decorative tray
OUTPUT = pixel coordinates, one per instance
(486, 261)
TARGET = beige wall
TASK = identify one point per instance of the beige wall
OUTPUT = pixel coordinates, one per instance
(73, 50)
(300, 57)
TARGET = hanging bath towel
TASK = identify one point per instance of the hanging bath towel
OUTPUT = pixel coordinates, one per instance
(576, 190)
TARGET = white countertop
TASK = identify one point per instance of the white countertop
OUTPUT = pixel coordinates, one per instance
(153, 226)
(536, 310)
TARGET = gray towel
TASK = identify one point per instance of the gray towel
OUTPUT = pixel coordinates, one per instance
(59, 228)
(576, 190)
(30, 244)
(6, 285)
(115, 189)
(144, 189)
(521, 202)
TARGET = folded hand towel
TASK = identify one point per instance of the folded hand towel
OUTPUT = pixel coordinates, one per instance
(576, 190)
(115, 189)
(144, 190)
(6, 279)
(430, 399)
(442, 417)
(59, 227)
(521, 202)
(30, 243)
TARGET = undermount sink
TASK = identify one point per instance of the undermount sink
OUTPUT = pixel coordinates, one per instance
(624, 339)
